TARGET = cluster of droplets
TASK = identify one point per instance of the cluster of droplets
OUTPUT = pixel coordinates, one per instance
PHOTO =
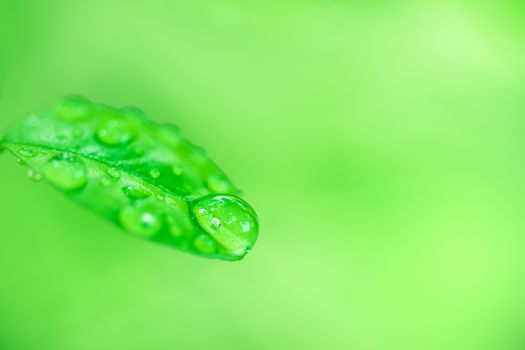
(219, 223)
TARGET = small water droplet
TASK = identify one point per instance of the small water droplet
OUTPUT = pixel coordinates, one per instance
(115, 132)
(34, 175)
(160, 197)
(154, 173)
(133, 112)
(135, 192)
(177, 170)
(205, 244)
(20, 161)
(26, 152)
(143, 220)
(229, 220)
(220, 184)
(74, 109)
(114, 173)
(66, 172)
(170, 134)
(174, 227)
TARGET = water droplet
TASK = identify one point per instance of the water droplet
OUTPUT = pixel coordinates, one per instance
(205, 244)
(74, 109)
(114, 173)
(229, 220)
(220, 184)
(199, 155)
(143, 220)
(133, 112)
(115, 132)
(177, 169)
(34, 175)
(66, 172)
(174, 227)
(135, 192)
(20, 161)
(154, 173)
(160, 197)
(26, 152)
(170, 134)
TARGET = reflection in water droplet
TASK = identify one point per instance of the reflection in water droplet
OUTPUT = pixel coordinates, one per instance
(66, 172)
(115, 132)
(26, 152)
(74, 109)
(215, 223)
(114, 173)
(205, 244)
(34, 175)
(154, 173)
(229, 220)
(143, 220)
(135, 192)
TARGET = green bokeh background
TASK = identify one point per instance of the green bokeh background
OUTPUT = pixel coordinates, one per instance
(381, 142)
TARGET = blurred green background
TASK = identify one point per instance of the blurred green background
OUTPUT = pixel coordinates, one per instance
(381, 143)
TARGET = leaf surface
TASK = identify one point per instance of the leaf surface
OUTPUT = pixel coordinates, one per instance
(140, 175)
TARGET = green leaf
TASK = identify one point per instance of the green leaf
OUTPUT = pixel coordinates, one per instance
(140, 175)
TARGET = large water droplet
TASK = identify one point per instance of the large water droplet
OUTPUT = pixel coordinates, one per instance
(74, 109)
(66, 172)
(143, 220)
(229, 220)
(115, 132)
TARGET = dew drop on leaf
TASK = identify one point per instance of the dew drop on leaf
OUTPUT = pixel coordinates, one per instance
(135, 192)
(143, 220)
(154, 173)
(74, 109)
(115, 132)
(218, 183)
(205, 244)
(177, 170)
(66, 172)
(174, 227)
(229, 220)
(34, 175)
(114, 173)
(26, 152)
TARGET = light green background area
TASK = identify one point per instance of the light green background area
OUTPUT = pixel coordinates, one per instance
(381, 143)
